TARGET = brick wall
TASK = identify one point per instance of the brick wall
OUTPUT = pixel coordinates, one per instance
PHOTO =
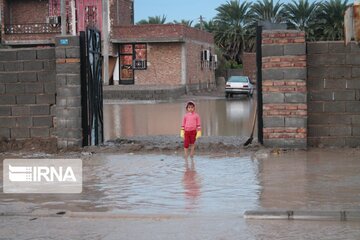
(24, 39)
(198, 76)
(27, 93)
(163, 66)
(284, 89)
(159, 33)
(175, 64)
(249, 65)
(120, 12)
(334, 94)
(30, 11)
(25, 12)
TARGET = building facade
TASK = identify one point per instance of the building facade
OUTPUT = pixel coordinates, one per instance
(166, 54)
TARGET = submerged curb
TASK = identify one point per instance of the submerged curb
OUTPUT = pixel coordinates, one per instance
(303, 215)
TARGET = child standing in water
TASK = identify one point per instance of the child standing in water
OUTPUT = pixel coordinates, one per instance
(190, 129)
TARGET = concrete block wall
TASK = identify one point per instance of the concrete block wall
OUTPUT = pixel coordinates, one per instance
(27, 93)
(284, 89)
(333, 94)
(68, 98)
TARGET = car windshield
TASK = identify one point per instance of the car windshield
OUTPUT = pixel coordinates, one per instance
(238, 79)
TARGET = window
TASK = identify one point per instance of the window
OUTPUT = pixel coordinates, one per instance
(132, 57)
(126, 60)
(140, 56)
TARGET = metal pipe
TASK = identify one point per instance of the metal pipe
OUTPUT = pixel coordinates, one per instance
(63, 16)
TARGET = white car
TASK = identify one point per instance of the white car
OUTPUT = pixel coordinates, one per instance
(239, 85)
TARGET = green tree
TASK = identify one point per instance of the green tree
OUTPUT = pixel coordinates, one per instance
(153, 20)
(330, 25)
(267, 11)
(187, 23)
(209, 26)
(302, 15)
(232, 28)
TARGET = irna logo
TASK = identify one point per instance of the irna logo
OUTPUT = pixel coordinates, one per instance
(42, 175)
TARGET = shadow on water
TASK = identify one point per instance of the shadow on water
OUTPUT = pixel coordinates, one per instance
(219, 117)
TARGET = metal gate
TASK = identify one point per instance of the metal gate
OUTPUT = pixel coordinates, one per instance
(259, 82)
(91, 87)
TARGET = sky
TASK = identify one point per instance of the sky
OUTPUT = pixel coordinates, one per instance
(178, 10)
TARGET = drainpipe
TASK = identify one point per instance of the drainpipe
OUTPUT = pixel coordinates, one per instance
(105, 37)
(73, 17)
(63, 17)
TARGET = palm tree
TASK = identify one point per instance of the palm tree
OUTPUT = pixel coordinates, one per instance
(301, 15)
(231, 32)
(331, 20)
(209, 26)
(267, 11)
(153, 20)
(184, 22)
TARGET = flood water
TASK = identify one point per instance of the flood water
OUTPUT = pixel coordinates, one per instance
(150, 183)
(219, 117)
(218, 188)
(156, 184)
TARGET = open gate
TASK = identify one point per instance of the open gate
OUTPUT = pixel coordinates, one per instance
(259, 29)
(91, 87)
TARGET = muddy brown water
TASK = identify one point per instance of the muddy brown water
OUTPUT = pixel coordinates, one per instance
(213, 190)
(157, 183)
(219, 117)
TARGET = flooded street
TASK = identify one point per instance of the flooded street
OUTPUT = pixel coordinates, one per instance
(164, 194)
(169, 197)
(163, 184)
(157, 184)
(219, 117)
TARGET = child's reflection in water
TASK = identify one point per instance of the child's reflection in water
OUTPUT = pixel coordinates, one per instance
(191, 184)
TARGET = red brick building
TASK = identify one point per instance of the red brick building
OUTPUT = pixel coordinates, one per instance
(168, 54)
(165, 54)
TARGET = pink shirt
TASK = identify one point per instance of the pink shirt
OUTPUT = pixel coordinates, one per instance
(191, 122)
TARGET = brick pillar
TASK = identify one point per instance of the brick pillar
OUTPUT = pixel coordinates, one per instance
(68, 89)
(249, 65)
(284, 89)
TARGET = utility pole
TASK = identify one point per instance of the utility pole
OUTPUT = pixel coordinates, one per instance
(63, 17)
(201, 23)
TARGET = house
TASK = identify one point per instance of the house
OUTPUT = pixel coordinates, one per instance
(169, 54)
(166, 54)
